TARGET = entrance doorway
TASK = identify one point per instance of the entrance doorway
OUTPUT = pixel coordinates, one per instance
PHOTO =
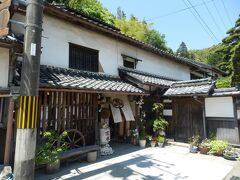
(188, 119)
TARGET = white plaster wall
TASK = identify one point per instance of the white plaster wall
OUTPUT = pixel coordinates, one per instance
(4, 63)
(57, 34)
(219, 107)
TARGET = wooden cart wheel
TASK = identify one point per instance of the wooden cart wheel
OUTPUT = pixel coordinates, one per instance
(74, 139)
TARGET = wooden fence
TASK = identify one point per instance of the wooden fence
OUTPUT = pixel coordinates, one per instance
(59, 110)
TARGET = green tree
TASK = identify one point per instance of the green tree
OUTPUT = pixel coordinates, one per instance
(235, 60)
(183, 51)
(92, 8)
(120, 14)
(140, 30)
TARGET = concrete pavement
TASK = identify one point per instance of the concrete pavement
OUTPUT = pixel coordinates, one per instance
(168, 163)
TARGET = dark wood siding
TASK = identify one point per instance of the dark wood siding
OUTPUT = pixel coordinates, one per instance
(83, 58)
(187, 118)
(223, 128)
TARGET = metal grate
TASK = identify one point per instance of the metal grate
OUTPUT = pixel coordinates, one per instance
(83, 58)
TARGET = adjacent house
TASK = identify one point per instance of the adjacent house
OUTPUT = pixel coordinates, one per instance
(198, 108)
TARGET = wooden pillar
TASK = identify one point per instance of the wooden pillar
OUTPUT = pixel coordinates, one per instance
(204, 120)
(236, 127)
(7, 152)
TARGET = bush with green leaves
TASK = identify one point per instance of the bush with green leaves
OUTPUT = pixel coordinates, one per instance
(160, 139)
(217, 146)
(159, 123)
(49, 151)
(142, 134)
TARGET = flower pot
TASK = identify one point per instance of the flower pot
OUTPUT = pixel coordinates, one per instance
(53, 167)
(160, 144)
(231, 157)
(134, 140)
(162, 133)
(92, 156)
(204, 150)
(142, 143)
(219, 153)
(152, 143)
(193, 149)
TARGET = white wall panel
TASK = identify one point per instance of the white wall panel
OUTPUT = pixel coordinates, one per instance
(55, 42)
(4, 63)
(219, 107)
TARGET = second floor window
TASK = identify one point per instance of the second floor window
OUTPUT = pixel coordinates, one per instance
(83, 58)
(129, 62)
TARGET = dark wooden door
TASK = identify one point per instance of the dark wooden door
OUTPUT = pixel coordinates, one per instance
(188, 119)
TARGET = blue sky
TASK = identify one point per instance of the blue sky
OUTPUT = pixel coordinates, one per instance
(170, 18)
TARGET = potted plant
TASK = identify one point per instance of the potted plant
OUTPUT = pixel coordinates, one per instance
(194, 142)
(160, 140)
(159, 124)
(230, 154)
(217, 147)
(134, 136)
(152, 140)
(204, 147)
(48, 153)
(142, 138)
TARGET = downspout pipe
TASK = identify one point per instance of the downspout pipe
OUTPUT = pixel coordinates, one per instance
(204, 119)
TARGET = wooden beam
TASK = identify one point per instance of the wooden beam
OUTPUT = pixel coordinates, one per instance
(9, 134)
(91, 91)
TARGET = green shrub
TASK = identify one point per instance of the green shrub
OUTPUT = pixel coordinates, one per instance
(49, 151)
(217, 146)
(160, 139)
(142, 134)
(159, 124)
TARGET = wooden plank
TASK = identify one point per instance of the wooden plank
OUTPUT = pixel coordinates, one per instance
(40, 109)
(9, 133)
(84, 113)
(81, 111)
(44, 112)
(54, 110)
(68, 114)
(59, 112)
(50, 113)
(71, 110)
(64, 111)
(96, 127)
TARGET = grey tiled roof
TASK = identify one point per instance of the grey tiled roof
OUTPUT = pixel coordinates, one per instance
(4, 90)
(54, 77)
(191, 87)
(226, 92)
(145, 78)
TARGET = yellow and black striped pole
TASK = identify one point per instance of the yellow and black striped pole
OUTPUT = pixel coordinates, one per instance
(27, 112)
(24, 162)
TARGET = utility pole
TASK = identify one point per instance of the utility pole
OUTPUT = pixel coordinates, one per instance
(24, 164)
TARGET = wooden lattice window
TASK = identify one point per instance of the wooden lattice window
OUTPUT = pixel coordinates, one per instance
(83, 58)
